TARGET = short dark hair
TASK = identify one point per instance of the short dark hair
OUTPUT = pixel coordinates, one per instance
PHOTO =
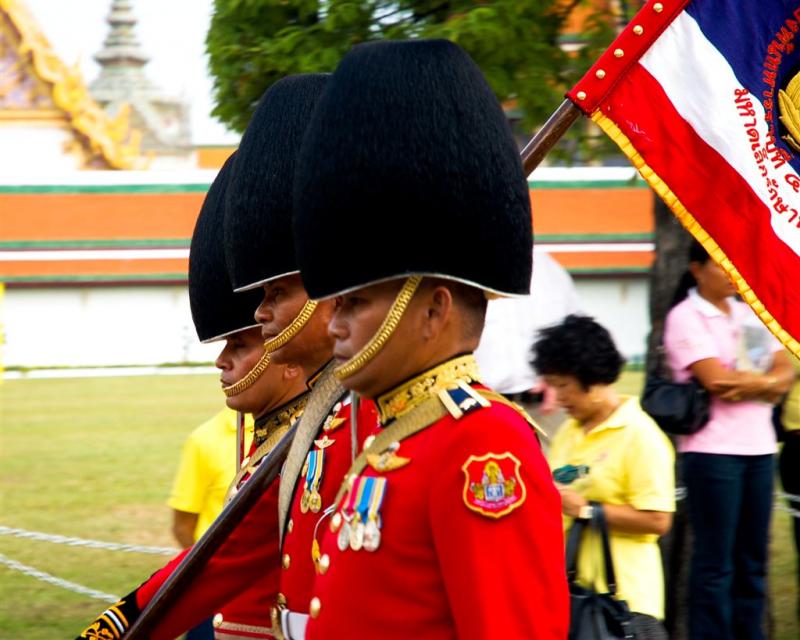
(579, 347)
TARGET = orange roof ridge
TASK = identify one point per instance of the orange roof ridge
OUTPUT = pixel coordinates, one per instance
(113, 138)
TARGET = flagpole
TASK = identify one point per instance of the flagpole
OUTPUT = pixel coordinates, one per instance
(552, 131)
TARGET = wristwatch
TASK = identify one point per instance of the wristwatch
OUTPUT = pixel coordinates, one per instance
(586, 512)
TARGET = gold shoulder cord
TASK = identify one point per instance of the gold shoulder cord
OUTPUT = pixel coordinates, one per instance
(272, 345)
(385, 331)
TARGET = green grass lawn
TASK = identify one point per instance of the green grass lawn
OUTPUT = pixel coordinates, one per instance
(94, 458)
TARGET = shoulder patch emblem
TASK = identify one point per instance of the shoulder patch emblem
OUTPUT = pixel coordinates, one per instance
(493, 486)
(462, 399)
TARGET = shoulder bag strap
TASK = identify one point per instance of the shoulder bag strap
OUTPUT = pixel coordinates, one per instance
(600, 526)
(573, 544)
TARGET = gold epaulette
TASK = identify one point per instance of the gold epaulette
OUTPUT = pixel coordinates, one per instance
(465, 399)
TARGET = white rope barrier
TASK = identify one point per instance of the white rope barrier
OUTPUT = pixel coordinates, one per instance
(56, 582)
(81, 542)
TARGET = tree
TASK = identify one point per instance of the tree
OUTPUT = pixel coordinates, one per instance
(517, 44)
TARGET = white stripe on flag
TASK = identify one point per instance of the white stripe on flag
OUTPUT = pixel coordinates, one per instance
(701, 87)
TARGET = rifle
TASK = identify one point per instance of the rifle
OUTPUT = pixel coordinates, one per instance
(212, 540)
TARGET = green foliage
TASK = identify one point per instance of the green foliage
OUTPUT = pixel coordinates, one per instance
(517, 44)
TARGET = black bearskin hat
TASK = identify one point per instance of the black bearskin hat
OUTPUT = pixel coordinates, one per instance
(258, 226)
(216, 310)
(409, 167)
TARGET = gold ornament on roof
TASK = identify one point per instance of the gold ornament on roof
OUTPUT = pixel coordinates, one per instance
(111, 138)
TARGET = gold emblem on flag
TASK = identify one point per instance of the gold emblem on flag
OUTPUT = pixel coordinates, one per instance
(789, 107)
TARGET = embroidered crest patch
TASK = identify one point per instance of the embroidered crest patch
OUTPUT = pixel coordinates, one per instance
(493, 486)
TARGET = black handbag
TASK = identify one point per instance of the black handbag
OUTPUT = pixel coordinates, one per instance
(679, 408)
(595, 616)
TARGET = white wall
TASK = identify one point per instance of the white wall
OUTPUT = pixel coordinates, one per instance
(620, 305)
(82, 326)
(88, 326)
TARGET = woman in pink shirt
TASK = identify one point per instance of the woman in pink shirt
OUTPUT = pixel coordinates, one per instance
(728, 465)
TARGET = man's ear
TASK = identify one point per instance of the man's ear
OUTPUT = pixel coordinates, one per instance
(439, 306)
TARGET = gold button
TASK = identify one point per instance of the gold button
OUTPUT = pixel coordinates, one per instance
(658, 7)
(600, 74)
(581, 95)
(286, 561)
(290, 525)
(336, 522)
(314, 607)
(618, 53)
(281, 599)
(217, 621)
(324, 563)
(638, 29)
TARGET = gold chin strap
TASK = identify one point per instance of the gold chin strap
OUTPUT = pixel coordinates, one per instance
(293, 329)
(250, 379)
(269, 347)
(387, 328)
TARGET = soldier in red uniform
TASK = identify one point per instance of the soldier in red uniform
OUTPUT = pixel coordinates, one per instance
(447, 524)
(240, 582)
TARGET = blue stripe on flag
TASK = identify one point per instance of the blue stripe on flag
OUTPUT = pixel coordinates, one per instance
(742, 31)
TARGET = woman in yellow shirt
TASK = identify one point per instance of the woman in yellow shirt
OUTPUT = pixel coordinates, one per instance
(609, 452)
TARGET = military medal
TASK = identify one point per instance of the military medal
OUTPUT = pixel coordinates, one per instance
(343, 539)
(356, 533)
(314, 501)
(372, 530)
(372, 535)
(361, 491)
(311, 499)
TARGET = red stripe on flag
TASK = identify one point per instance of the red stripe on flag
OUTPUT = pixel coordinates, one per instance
(630, 45)
(716, 195)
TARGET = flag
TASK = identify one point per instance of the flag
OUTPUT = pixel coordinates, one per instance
(703, 96)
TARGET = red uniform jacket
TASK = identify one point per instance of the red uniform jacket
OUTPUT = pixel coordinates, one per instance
(298, 562)
(471, 540)
(239, 583)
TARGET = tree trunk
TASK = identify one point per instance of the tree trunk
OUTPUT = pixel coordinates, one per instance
(671, 248)
(671, 251)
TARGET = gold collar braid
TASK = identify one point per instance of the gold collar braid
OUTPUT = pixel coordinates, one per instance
(270, 346)
(284, 415)
(385, 331)
(250, 379)
(293, 329)
(414, 392)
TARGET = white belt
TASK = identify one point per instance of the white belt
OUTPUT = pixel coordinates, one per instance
(293, 624)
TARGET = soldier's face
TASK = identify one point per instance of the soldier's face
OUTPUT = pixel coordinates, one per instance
(357, 316)
(241, 353)
(283, 300)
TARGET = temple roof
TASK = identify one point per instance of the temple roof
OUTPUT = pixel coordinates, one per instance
(34, 78)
